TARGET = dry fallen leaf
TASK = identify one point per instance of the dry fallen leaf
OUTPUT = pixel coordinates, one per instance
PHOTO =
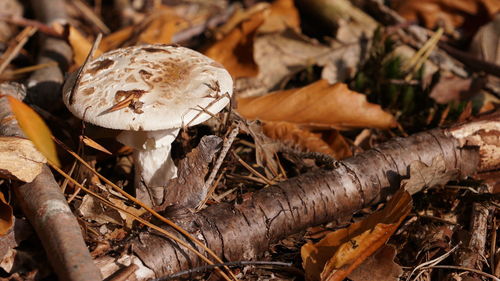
(486, 46)
(92, 209)
(125, 216)
(318, 105)
(158, 28)
(235, 50)
(19, 159)
(467, 14)
(283, 15)
(116, 39)
(305, 140)
(161, 26)
(379, 266)
(340, 252)
(35, 129)
(80, 45)
(452, 88)
(6, 216)
(279, 55)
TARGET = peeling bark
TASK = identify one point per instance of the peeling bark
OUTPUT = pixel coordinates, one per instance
(244, 231)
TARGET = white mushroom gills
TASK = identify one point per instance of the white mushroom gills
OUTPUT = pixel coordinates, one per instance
(149, 92)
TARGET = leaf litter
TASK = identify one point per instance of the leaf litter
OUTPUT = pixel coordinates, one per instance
(304, 88)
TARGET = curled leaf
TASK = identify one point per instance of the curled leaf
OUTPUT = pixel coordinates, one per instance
(340, 252)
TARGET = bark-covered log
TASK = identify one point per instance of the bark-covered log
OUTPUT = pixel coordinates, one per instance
(244, 231)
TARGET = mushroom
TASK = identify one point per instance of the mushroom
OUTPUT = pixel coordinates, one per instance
(149, 92)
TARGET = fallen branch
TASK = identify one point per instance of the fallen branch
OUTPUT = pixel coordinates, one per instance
(244, 231)
(45, 207)
(44, 85)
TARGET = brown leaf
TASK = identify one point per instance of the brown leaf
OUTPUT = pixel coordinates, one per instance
(338, 143)
(158, 28)
(319, 105)
(125, 216)
(486, 46)
(81, 46)
(162, 26)
(451, 14)
(379, 266)
(281, 54)
(305, 140)
(116, 39)
(283, 15)
(340, 252)
(19, 159)
(92, 209)
(451, 88)
(6, 216)
(422, 175)
(235, 50)
(35, 129)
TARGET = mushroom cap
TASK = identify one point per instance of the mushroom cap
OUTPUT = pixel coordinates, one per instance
(148, 87)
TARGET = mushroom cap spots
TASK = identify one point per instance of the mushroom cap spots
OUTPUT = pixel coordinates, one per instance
(148, 87)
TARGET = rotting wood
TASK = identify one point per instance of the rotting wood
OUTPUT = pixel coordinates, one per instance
(246, 230)
(46, 208)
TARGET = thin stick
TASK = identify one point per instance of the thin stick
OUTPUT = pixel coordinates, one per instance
(225, 148)
(463, 268)
(91, 16)
(31, 68)
(73, 196)
(253, 171)
(14, 49)
(33, 23)
(230, 264)
(432, 262)
(84, 66)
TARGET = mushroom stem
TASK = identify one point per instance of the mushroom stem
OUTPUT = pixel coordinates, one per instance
(153, 165)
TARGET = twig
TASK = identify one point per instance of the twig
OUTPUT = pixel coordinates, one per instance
(44, 85)
(27, 22)
(229, 264)
(252, 170)
(471, 61)
(463, 268)
(14, 49)
(225, 148)
(73, 196)
(91, 16)
(431, 263)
